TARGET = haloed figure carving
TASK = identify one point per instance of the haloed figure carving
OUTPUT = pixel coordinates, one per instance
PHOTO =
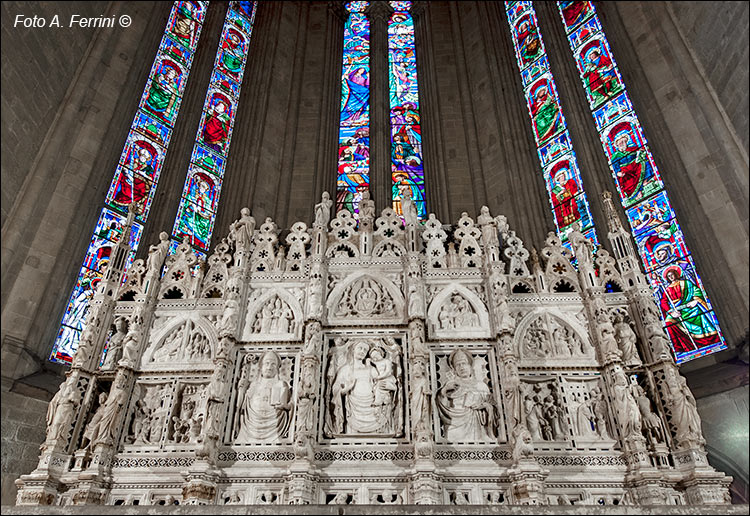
(464, 402)
(264, 414)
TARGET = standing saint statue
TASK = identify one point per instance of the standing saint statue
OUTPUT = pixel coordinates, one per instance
(241, 231)
(157, 253)
(464, 402)
(114, 346)
(323, 211)
(626, 340)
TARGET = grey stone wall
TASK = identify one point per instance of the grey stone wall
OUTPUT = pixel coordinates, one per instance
(35, 80)
(23, 430)
(717, 36)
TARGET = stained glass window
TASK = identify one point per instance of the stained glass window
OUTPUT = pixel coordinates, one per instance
(200, 196)
(137, 172)
(686, 310)
(354, 128)
(407, 168)
(553, 142)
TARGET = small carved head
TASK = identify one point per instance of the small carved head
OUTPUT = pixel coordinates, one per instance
(269, 364)
(462, 363)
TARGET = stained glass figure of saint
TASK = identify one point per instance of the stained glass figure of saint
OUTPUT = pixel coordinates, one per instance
(184, 26)
(563, 189)
(527, 37)
(163, 95)
(545, 111)
(217, 123)
(574, 12)
(598, 72)
(687, 315)
(630, 162)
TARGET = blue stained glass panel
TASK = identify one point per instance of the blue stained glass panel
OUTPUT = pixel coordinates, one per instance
(209, 161)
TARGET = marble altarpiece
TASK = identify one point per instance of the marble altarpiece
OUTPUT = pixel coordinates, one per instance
(375, 361)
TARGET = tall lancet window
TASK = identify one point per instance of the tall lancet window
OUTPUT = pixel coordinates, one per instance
(686, 310)
(406, 130)
(139, 167)
(553, 142)
(200, 195)
(354, 127)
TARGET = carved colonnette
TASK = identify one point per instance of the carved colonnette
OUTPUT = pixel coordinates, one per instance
(374, 360)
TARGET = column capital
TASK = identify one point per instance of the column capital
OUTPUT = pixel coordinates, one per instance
(337, 8)
(379, 11)
(418, 8)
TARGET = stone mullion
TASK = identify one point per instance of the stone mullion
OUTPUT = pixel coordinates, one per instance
(519, 168)
(330, 102)
(593, 167)
(436, 182)
(379, 13)
(476, 171)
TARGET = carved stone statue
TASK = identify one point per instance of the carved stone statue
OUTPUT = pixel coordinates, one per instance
(365, 397)
(408, 207)
(600, 412)
(115, 344)
(60, 411)
(626, 340)
(685, 416)
(323, 211)
(626, 409)
(420, 398)
(652, 425)
(228, 324)
(585, 419)
(157, 253)
(416, 301)
(366, 209)
(264, 414)
(130, 348)
(416, 338)
(103, 425)
(313, 336)
(522, 444)
(241, 231)
(464, 402)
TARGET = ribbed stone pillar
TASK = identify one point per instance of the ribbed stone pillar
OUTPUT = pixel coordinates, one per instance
(379, 12)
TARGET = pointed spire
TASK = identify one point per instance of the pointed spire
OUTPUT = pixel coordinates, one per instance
(613, 219)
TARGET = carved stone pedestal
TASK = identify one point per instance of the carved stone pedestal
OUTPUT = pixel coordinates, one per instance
(41, 486)
(36, 490)
(302, 483)
(90, 491)
(200, 485)
(527, 482)
(425, 486)
(646, 488)
(702, 483)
